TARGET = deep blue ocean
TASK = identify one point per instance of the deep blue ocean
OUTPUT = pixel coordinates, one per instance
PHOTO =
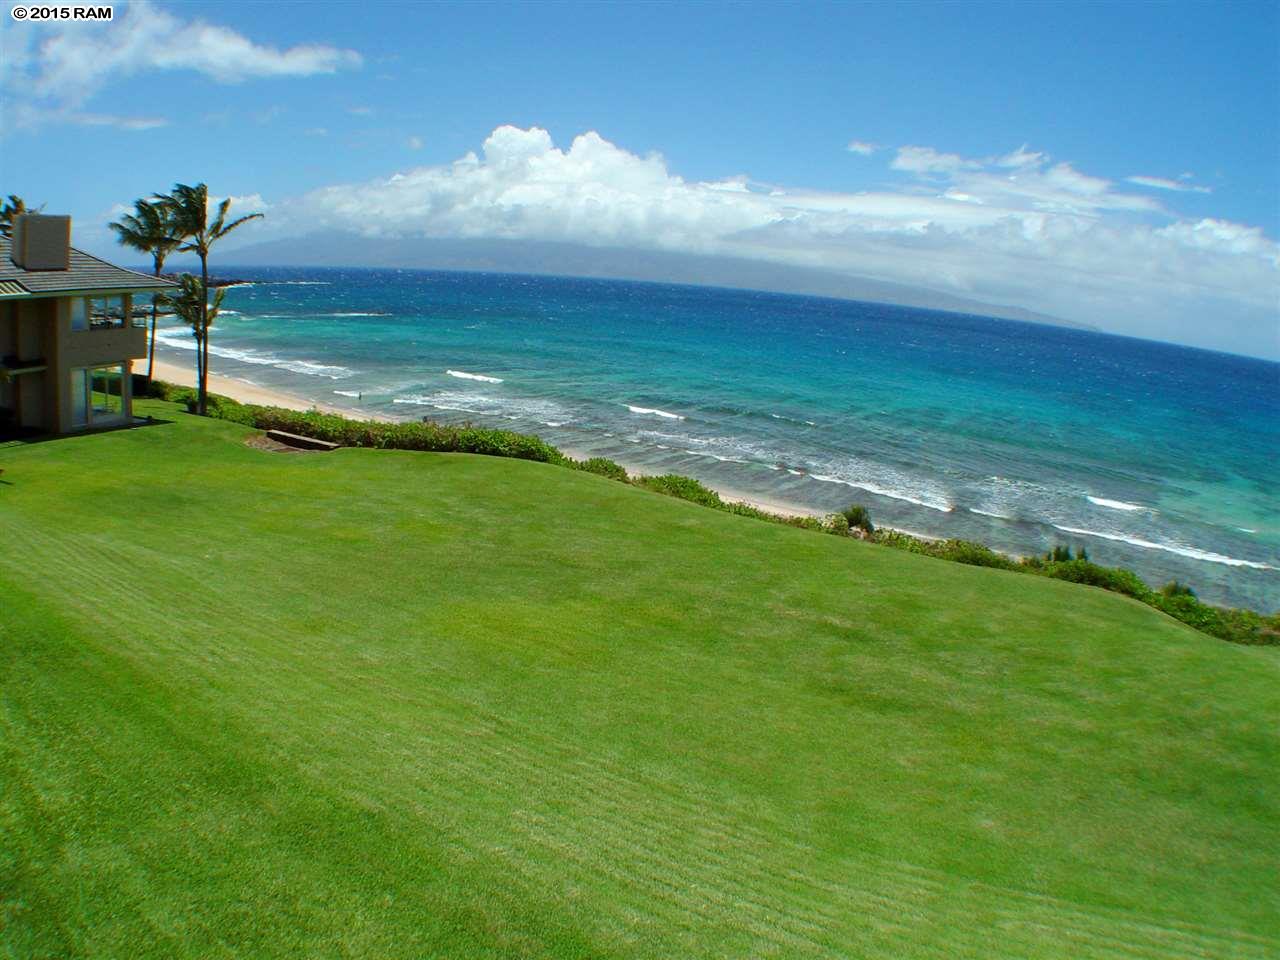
(1154, 457)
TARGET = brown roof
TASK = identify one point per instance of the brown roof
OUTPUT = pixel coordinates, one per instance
(86, 272)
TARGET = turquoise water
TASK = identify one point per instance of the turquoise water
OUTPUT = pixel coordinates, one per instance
(1155, 457)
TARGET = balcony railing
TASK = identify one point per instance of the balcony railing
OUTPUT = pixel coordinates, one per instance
(14, 366)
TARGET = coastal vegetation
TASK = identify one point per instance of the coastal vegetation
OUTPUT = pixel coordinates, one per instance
(1180, 602)
(149, 230)
(179, 221)
(376, 703)
(191, 305)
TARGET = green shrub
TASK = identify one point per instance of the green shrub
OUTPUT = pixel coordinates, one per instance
(1115, 579)
(857, 516)
(959, 551)
(901, 541)
(747, 510)
(602, 466)
(836, 523)
(685, 488)
(974, 554)
(1176, 589)
(412, 435)
(1235, 625)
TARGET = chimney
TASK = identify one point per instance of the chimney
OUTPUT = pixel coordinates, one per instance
(41, 242)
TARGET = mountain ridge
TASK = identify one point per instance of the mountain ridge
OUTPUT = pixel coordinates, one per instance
(552, 258)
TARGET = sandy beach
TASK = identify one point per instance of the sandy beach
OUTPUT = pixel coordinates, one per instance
(245, 392)
(252, 393)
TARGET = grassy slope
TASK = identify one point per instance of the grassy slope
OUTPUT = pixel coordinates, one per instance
(391, 704)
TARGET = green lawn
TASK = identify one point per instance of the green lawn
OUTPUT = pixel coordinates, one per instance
(388, 704)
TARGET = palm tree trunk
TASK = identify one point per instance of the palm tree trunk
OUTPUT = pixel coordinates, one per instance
(204, 340)
(151, 345)
(151, 349)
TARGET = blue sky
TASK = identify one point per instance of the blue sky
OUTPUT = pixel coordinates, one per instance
(998, 146)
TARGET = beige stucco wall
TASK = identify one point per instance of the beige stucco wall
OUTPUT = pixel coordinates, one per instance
(92, 348)
(29, 337)
(41, 329)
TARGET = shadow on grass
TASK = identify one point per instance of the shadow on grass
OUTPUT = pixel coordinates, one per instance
(29, 435)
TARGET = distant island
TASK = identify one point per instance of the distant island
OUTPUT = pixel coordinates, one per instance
(545, 258)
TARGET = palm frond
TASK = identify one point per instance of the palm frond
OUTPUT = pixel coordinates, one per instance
(222, 231)
(216, 227)
(149, 229)
(187, 302)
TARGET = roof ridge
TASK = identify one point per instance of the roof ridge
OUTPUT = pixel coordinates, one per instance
(84, 272)
(108, 263)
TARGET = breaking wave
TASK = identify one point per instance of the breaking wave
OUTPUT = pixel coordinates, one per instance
(463, 375)
(933, 503)
(1191, 552)
(655, 412)
(1116, 504)
(184, 341)
(545, 412)
(989, 513)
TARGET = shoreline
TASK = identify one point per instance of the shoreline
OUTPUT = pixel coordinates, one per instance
(728, 494)
(250, 393)
(184, 376)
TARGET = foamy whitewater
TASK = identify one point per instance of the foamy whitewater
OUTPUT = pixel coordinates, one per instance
(1154, 457)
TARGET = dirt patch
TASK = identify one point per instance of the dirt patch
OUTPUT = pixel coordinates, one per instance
(260, 441)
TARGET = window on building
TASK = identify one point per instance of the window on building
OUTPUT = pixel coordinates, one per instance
(106, 312)
(79, 313)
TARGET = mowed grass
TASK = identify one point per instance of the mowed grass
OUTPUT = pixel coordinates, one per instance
(388, 704)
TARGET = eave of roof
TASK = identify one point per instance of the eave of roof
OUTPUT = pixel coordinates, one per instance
(86, 274)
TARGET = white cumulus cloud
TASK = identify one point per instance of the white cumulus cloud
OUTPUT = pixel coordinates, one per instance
(928, 160)
(1010, 229)
(49, 70)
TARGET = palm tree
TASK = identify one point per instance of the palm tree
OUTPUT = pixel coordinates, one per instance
(192, 305)
(188, 207)
(13, 207)
(148, 229)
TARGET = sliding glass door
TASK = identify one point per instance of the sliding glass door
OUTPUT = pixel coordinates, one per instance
(97, 396)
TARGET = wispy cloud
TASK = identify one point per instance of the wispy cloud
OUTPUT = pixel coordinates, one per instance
(929, 160)
(49, 71)
(1162, 183)
(862, 147)
(1022, 157)
(414, 143)
(120, 123)
(360, 111)
(1008, 228)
